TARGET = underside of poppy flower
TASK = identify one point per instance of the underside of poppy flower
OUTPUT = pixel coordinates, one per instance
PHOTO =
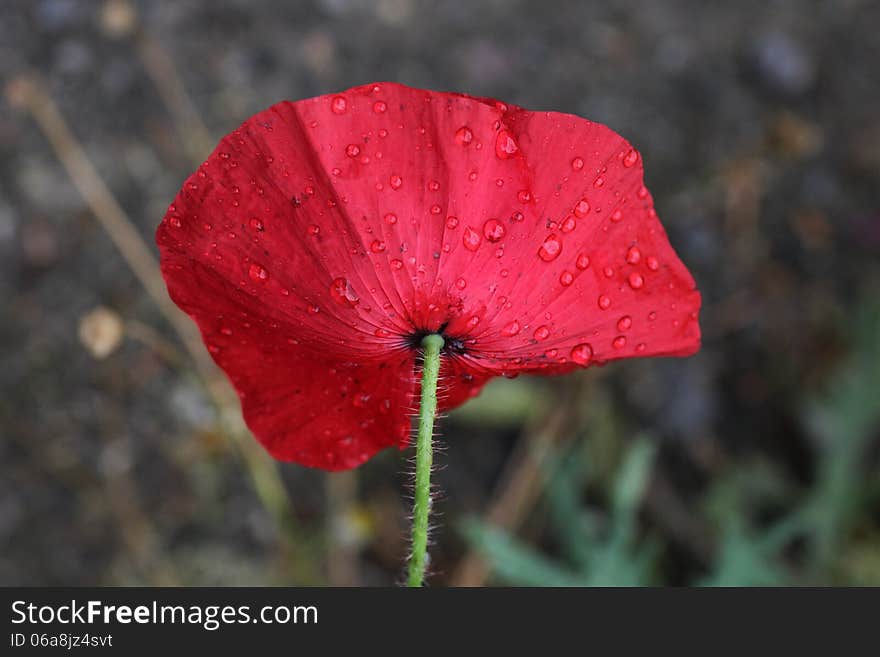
(323, 238)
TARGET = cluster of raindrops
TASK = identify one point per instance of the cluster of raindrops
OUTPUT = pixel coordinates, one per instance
(633, 272)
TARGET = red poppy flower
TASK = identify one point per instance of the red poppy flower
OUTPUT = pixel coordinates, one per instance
(323, 238)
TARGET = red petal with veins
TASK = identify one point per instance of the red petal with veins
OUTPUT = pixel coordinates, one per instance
(323, 237)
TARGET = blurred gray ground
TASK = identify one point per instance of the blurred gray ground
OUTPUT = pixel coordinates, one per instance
(759, 123)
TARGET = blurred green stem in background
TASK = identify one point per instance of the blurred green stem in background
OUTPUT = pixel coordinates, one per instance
(427, 412)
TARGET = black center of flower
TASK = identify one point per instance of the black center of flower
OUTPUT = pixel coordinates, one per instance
(452, 345)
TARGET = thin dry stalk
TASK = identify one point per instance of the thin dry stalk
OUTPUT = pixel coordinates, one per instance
(28, 94)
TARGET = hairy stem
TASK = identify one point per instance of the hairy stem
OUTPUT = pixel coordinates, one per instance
(432, 345)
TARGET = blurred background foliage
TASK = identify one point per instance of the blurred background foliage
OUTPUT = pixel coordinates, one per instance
(757, 461)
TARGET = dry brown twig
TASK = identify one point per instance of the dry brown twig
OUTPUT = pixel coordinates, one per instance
(28, 94)
(519, 486)
(120, 20)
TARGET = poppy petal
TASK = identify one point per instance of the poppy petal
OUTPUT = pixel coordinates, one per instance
(331, 233)
(301, 405)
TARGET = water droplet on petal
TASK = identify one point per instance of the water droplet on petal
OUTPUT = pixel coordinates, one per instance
(624, 323)
(464, 136)
(517, 216)
(338, 105)
(511, 329)
(633, 255)
(635, 280)
(461, 283)
(379, 107)
(583, 261)
(582, 353)
(568, 224)
(604, 302)
(390, 218)
(256, 224)
(616, 216)
(653, 263)
(352, 150)
(451, 222)
(258, 273)
(342, 293)
(174, 221)
(471, 239)
(493, 230)
(550, 249)
(582, 208)
(395, 181)
(598, 182)
(473, 321)
(505, 145)
(577, 163)
(619, 342)
(541, 333)
(377, 246)
(566, 278)
(631, 158)
(524, 196)
(396, 264)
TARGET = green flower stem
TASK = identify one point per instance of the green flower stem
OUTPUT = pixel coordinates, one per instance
(424, 455)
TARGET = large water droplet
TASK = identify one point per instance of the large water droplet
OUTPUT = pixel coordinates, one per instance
(505, 145)
(619, 342)
(493, 230)
(377, 246)
(258, 273)
(566, 278)
(604, 302)
(342, 293)
(338, 105)
(352, 150)
(577, 163)
(624, 323)
(583, 261)
(550, 249)
(582, 208)
(471, 239)
(636, 280)
(464, 136)
(631, 158)
(511, 329)
(633, 255)
(653, 263)
(541, 333)
(582, 353)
